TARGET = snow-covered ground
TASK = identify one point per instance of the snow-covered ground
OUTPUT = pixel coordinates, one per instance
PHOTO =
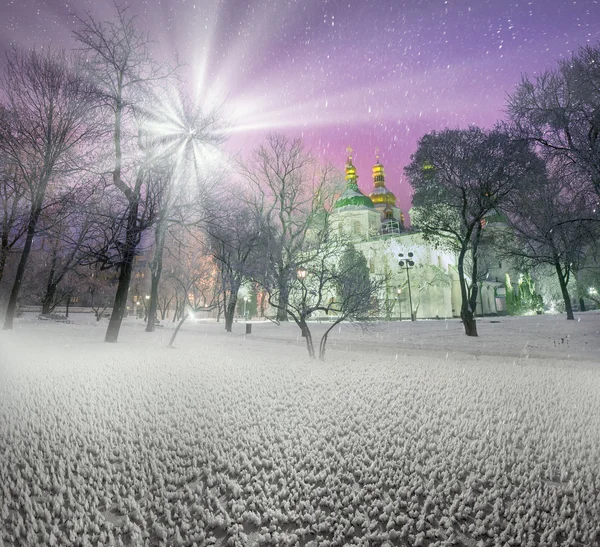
(410, 434)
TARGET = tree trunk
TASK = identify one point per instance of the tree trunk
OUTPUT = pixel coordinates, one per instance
(562, 281)
(309, 342)
(230, 313)
(176, 311)
(51, 286)
(172, 341)
(466, 312)
(67, 306)
(122, 294)
(282, 303)
(3, 257)
(468, 319)
(155, 272)
(18, 282)
(48, 301)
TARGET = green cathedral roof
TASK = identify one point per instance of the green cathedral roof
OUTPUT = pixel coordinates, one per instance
(353, 197)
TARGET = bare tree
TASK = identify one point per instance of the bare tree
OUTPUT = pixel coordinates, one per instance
(331, 278)
(546, 224)
(288, 189)
(459, 177)
(44, 132)
(13, 191)
(100, 292)
(235, 241)
(176, 135)
(195, 277)
(559, 110)
(123, 73)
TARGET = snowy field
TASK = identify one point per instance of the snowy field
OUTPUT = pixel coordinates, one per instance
(410, 434)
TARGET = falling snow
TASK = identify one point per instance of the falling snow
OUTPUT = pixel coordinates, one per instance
(425, 65)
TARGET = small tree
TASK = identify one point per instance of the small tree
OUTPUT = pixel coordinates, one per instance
(423, 278)
(331, 277)
(512, 303)
(234, 242)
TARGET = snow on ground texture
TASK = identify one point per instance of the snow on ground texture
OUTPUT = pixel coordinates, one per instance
(234, 440)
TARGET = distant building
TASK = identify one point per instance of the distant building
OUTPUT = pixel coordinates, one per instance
(375, 224)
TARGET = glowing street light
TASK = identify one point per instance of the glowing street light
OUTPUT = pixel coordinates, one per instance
(407, 264)
(301, 273)
(592, 291)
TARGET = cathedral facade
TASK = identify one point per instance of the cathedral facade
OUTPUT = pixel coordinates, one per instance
(375, 225)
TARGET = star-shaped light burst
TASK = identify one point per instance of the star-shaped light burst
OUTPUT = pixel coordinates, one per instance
(175, 130)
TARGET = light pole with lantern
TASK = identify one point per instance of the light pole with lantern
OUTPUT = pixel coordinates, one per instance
(407, 264)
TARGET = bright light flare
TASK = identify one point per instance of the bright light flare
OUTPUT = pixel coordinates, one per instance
(179, 131)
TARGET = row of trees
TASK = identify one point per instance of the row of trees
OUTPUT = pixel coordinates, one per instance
(103, 159)
(90, 161)
(528, 190)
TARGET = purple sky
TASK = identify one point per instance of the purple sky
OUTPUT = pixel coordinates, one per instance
(365, 73)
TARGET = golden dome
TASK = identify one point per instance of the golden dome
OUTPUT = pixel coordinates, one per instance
(383, 198)
(380, 194)
(350, 169)
(378, 169)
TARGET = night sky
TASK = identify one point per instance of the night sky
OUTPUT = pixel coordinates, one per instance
(368, 73)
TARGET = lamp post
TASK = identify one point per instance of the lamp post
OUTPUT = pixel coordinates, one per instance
(407, 264)
(399, 303)
(246, 299)
(301, 273)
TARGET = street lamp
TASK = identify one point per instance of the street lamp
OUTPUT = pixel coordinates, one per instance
(246, 300)
(301, 273)
(399, 303)
(407, 264)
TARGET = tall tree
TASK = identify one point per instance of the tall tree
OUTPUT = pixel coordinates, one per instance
(181, 137)
(546, 224)
(44, 133)
(13, 204)
(559, 110)
(459, 177)
(123, 72)
(235, 240)
(288, 189)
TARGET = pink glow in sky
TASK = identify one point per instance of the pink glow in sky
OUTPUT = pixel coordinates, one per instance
(368, 73)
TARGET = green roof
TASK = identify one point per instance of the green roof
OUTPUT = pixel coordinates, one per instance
(353, 197)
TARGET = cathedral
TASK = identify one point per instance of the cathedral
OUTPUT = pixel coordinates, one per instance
(375, 224)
